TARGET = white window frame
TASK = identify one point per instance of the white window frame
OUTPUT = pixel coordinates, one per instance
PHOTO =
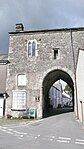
(23, 81)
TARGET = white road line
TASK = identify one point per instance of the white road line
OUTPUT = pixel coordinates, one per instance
(4, 130)
(81, 143)
(1, 127)
(51, 139)
(63, 141)
(22, 133)
(10, 129)
(21, 136)
(64, 138)
(9, 132)
(38, 135)
(80, 140)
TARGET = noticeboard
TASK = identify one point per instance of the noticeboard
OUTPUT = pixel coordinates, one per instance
(19, 100)
(32, 112)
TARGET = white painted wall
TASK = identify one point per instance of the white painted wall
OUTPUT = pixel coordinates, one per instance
(53, 95)
(80, 84)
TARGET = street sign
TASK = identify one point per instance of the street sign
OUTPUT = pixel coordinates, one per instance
(32, 112)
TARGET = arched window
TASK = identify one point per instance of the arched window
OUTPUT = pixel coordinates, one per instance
(29, 49)
(33, 48)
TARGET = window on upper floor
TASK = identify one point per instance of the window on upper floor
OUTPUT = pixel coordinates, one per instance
(32, 47)
(29, 48)
(56, 53)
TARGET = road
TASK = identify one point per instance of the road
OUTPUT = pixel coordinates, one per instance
(56, 132)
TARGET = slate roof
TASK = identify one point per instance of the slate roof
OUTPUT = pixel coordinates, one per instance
(58, 86)
(48, 30)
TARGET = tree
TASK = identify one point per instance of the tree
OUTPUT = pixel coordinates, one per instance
(68, 90)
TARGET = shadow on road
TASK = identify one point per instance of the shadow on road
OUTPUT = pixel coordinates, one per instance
(50, 112)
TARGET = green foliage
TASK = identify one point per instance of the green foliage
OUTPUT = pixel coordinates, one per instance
(68, 90)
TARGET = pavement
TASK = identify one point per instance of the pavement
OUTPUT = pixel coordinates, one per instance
(14, 122)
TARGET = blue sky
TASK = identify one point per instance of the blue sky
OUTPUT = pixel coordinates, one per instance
(38, 14)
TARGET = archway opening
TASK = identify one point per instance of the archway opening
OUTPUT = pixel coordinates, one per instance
(58, 93)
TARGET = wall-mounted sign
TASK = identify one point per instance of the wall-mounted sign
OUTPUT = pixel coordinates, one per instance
(37, 99)
(21, 80)
(19, 100)
(32, 112)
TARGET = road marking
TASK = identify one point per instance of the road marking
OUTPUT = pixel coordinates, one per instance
(20, 135)
(81, 143)
(9, 132)
(80, 140)
(13, 132)
(3, 127)
(63, 141)
(23, 133)
(51, 139)
(4, 130)
(38, 135)
(64, 138)
(10, 129)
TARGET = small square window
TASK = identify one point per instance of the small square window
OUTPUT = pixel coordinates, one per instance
(21, 80)
(56, 53)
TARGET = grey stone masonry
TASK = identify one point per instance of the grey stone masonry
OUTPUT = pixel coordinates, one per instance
(67, 43)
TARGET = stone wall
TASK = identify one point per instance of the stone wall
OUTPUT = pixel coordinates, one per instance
(36, 68)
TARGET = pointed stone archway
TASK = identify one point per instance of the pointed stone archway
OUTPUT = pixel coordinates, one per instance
(50, 78)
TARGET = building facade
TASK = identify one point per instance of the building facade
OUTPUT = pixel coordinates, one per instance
(37, 59)
(3, 76)
(58, 98)
(67, 100)
(80, 84)
(55, 95)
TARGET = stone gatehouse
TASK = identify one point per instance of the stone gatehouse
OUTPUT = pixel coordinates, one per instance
(37, 59)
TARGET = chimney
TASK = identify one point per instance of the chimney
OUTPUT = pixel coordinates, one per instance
(19, 27)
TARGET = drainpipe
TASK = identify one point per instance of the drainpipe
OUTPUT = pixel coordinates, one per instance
(74, 62)
(81, 110)
(4, 95)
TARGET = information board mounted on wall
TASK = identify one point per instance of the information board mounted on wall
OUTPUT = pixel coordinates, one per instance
(19, 100)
